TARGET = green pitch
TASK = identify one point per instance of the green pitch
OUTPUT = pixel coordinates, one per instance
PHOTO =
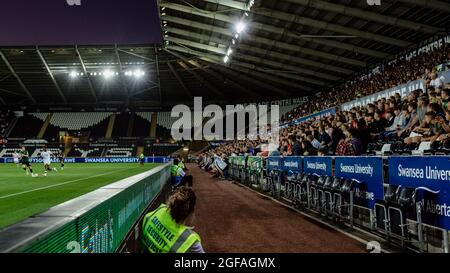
(22, 196)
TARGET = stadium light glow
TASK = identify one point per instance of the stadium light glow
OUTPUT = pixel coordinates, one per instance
(240, 27)
(108, 74)
(73, 74)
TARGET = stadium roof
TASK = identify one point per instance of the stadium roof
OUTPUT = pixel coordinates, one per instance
(286, 48)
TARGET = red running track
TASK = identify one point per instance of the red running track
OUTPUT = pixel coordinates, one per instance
(231, 219)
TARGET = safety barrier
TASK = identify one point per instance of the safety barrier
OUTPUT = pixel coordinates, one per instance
(97, 222)
(404, 199)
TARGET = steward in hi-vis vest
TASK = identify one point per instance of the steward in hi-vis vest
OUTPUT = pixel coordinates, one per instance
(176, 173)
(142, 158)
(165, 229)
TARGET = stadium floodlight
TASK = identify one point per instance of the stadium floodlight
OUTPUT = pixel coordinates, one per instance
(73, 74)
(229, 51)
(226, 59)
(240, 27)
(250, 4)
(108, 74)
(233, 41)
(138, 73)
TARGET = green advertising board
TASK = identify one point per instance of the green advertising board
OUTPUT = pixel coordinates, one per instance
(101, 222)
(255, 163)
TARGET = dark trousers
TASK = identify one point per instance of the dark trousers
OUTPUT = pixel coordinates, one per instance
(187, 180)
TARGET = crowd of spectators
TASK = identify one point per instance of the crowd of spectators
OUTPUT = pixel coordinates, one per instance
(424, 115)
(423, 66)
(6, 116)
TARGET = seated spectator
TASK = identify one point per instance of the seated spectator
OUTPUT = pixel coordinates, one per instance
(413, 120)
(324, 138)
(445, 97)
(355, 141)
(314, 142)
(436, 82)
(430, 131)
(296, 147)
(344, 147)
(308, 149)
(398, 123)
(178, 176)
(445, 124)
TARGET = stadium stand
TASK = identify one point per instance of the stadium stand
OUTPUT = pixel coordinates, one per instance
(77, 121)
(27, 126)
(86, 150)
(120, 149)
(388, 121)
(6, 117)
(160, 149)
(165, 120)
(121, 124)
(142, 123)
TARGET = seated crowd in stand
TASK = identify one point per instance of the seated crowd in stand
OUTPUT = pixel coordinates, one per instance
(423, 115)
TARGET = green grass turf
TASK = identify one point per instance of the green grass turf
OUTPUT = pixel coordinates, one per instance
(16, 203)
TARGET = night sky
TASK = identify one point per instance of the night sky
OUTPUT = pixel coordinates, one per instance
(54, 22)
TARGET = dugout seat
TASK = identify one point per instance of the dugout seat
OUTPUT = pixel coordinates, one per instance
(302, 187)
(381, 207)
(313, 182)
(443, 148)
(334, 196)
(344, 197)
(399, 204)
(290, 182)
(423, 149)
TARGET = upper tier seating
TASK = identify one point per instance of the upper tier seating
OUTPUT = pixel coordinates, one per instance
(121, 124)
(27, 126)
(6, 116)
(142, 124)
(160, 149)
(78, 120)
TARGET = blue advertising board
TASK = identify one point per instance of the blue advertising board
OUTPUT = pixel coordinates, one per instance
(403, 90)
(369, 171)
(293, 163)
(156, 159)
(318, 115)
(431, 176)
(321, 165)
(274, 163)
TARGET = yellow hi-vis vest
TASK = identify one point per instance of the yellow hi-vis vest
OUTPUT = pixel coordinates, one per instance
(161, 234)
(174, 170)
(181, 165)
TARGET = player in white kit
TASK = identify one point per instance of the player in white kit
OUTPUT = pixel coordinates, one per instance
(16, 158)
(47, 160)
